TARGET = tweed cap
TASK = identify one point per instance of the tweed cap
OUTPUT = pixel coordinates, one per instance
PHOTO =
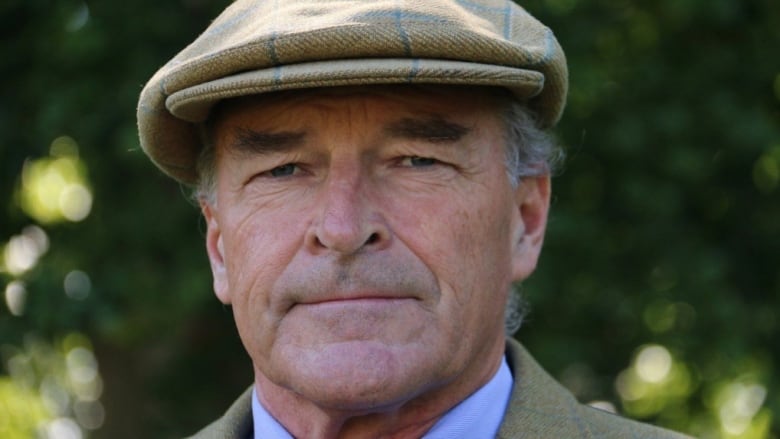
(261, 46)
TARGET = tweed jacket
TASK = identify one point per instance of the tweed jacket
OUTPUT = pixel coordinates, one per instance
(539, 408)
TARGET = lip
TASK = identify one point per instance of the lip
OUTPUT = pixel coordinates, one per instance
(357, 299)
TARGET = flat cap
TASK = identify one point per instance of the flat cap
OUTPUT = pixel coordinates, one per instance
(261, 46)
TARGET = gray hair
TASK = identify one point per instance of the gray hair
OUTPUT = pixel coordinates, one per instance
(515, 310)
(206, 167)
(530, 152)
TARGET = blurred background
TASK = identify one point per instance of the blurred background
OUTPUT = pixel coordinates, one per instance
(658, 293)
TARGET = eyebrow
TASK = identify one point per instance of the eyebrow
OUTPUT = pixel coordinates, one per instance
(249, 141)
(434, 129)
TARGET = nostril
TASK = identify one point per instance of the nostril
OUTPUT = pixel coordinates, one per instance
(372, 239)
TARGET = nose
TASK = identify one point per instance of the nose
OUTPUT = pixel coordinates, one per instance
(347, 220)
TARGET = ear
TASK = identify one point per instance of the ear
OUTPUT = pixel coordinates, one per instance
(532, 198)
(216, 251)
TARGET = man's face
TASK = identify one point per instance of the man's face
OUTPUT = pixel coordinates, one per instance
(366, 239)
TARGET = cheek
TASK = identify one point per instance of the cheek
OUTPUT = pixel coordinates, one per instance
(258, 249)
(483, 252)
(465, 244)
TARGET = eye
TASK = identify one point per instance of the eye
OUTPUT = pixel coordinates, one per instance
(283, 171)
(419, 162)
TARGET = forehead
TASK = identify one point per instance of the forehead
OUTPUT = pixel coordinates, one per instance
(455, 101)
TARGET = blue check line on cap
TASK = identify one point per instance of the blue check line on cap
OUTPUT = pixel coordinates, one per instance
(507, 19)
(271, 47)
(506, 11)
(415, 68)
(401, 31)
(277, 77)
(272, 41)
(549, 47)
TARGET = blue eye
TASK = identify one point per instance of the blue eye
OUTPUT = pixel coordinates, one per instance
(283, 171)
(419, 162)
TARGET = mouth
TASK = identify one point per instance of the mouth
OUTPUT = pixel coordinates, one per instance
(358, 318)
(358, 299)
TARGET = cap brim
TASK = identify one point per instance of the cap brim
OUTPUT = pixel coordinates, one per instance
(193, 104)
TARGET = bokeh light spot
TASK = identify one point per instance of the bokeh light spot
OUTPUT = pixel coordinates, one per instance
(23, 251)
(15, 297)
(629, 388)
(55, 188)
(78, 19)
(22, 409)
(90, 414)
(55, 396)
(63, 428)
(20, 370)
(77, 285)
(53, 389)
(739, 403)
(82, 365)
(64, 146)
(75, 202)
(766, 173)
(660, 316)
(89, 390)
(653, 363)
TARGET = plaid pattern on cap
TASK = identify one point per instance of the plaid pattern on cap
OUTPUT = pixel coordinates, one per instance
(260, 46)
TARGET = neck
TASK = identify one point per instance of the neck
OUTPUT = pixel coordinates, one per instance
(410, 418)
(303, 419)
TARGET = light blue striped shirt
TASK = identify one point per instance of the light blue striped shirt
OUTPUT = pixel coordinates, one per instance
(477, 417)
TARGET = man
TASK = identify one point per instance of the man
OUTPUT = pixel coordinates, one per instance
(374, 176)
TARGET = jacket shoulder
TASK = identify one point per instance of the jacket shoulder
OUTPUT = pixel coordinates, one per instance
(600, 424)
(540, 407)
(236, 423)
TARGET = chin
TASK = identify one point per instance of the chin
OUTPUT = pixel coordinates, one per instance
(366, 376)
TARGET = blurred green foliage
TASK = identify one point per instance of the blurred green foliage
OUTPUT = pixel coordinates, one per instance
(658, 292)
